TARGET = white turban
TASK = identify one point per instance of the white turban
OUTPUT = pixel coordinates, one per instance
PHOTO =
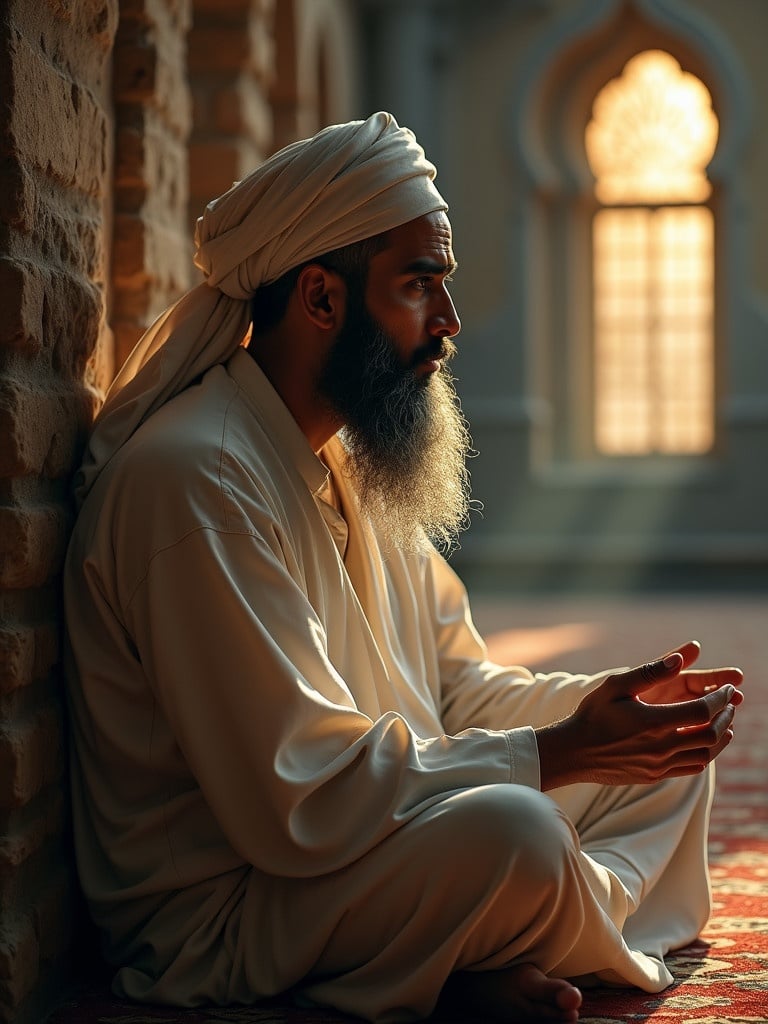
(347, 183)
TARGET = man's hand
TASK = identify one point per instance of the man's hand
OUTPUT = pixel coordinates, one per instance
(693, 683)
(649, 723)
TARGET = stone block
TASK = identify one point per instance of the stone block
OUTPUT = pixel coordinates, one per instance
(130, 149)
(54, 124)
(150, 63)
(22, 293)
(19, 962)
(30, 757)
(167, 177)
(17, 656)
(135, 72)
(19, 844)
(128, 238)
(24, 429)
(17, 196)
(244, 110)
(218, 49)
(176, 14)
(74, 36)
(213, 166)
(71, 325)
(40, 429)
(32, 545)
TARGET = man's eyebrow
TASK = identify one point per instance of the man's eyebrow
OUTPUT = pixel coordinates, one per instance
(425, 265)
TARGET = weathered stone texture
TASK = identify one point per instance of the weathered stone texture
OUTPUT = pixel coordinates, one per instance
(53, 182)
(231, 58)
(95, 241)
(27, 652)
(150, 262)
(30, 757)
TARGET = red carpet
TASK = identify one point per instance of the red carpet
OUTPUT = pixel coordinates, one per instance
(724, 978)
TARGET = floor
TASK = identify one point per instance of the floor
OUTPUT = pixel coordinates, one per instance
(589, 632)
(579, 633)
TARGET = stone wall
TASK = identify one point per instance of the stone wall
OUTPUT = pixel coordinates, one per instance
(119, 120)
(152, 120)
(53, 168)
(231, 60)
(94, 125)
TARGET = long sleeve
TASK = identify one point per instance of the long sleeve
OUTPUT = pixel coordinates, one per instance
(298, 778)
(477, 692)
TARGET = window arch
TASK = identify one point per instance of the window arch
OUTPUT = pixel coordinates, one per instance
(649, 141)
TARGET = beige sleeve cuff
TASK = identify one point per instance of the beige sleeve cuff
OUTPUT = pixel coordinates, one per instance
(524, 757)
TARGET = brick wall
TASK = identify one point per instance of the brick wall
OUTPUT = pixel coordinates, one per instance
(53, 160)
(151, 246)
(231, 57)
(97, 154)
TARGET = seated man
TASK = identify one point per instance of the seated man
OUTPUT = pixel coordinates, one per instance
(294, 768)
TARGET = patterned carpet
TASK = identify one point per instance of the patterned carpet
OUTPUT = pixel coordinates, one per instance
(723, 979)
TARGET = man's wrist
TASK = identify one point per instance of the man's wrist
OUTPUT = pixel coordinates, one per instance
(556, 756)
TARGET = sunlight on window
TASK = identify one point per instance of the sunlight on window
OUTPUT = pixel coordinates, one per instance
(652, 135)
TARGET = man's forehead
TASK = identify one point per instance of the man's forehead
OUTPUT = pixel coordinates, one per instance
(423, 245)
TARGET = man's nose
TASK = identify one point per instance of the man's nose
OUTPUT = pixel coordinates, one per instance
(445, 323)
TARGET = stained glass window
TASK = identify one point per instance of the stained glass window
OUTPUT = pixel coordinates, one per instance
(652, 134)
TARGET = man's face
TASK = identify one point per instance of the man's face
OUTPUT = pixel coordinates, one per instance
(406, 290)
(385, 377)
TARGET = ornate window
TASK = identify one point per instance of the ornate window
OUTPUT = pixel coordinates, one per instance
(652, 134)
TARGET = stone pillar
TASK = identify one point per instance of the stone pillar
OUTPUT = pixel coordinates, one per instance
(408, 41)
(231, 57)
(151, 244)
(53, 178)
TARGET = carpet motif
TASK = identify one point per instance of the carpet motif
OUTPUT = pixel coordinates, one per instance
(723, 978)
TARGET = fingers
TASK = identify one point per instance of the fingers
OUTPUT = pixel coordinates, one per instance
(704, 680)
(699, 724)
(701, 712)
(685, 750)
(635, 680)
(697, 681)
(701, 745)
(689, 652)
(658, 720)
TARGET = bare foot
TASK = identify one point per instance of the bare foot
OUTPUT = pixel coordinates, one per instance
(521, 993)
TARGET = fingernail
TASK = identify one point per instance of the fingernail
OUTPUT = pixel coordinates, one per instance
(671, 661)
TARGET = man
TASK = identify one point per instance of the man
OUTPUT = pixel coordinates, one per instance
(294, 768)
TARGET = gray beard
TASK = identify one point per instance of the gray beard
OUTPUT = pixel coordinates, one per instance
(405, 436)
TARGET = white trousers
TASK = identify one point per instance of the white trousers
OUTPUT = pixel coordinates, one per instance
(588, 881)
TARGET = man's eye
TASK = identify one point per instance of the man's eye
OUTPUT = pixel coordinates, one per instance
(422, 283)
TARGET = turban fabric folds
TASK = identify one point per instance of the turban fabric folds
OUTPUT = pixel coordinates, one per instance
(347, 183)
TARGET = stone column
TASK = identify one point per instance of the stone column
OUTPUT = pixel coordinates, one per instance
(53, 180)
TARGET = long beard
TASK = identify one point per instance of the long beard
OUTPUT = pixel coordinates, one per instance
(405, 436)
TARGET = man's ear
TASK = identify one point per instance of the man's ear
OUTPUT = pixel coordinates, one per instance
(321, 295)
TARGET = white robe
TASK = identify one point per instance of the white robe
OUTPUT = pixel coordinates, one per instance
(293, 764)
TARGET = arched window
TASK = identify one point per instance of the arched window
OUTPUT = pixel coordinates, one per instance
(651, 136)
